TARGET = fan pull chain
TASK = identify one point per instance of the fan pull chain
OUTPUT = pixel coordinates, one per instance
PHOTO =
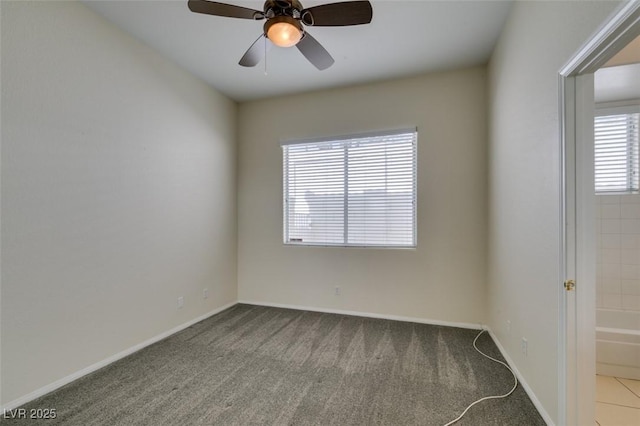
(265, 55)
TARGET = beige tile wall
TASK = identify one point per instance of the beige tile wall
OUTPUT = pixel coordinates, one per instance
(618, 252)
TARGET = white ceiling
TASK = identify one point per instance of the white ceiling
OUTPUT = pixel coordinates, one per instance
(405, 38)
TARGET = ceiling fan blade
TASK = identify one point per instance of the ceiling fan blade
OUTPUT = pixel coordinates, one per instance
(314, 52)
(338, 14)
(255, 53)
(223, 9)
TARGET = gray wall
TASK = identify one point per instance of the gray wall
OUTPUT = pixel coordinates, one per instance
(118, 194)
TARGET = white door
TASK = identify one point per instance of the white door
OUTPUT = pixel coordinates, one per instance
(585, 291)
(577, 336)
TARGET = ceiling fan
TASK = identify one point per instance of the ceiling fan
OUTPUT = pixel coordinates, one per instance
(284, 25)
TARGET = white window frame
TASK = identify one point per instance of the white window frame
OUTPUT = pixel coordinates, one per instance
(289, 242)
(617, 108)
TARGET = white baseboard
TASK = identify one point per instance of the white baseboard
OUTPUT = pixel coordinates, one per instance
(98, 365)
(472, 326)
(623, 371)
(525, 385)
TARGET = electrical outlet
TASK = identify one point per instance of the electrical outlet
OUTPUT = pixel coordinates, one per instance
(524, 345)
(180, 302)
(337, 290)
(508, 326)
(205, 293)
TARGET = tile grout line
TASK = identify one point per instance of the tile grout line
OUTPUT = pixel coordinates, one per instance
(623, 389)
(618, 405)
(630, 390)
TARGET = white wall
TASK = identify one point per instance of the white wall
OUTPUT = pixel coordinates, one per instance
(618, 84)
(118, 194)
(444, 278)
(524, 181)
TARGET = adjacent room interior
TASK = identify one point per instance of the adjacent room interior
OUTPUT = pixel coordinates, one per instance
(155, 191)
(617, 114)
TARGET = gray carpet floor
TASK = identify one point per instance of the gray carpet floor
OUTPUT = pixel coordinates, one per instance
(253, 365)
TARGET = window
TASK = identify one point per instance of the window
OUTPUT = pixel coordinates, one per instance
(616, 152)
(351, 190)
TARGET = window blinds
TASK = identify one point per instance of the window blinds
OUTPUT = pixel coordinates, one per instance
(616, 153)
(351, 191)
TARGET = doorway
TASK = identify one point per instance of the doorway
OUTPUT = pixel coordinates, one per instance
(577, 381)
(617, 211)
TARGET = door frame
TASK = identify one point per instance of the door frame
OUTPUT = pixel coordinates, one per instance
(576, 336)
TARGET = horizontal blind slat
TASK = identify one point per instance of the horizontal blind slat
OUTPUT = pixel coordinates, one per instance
(365, 186)
(616, 153)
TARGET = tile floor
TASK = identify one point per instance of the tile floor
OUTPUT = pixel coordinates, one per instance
(617, 401)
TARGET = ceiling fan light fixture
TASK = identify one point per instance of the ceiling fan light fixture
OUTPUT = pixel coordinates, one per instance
(283, 31)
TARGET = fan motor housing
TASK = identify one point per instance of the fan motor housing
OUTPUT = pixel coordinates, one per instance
(282, 7)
